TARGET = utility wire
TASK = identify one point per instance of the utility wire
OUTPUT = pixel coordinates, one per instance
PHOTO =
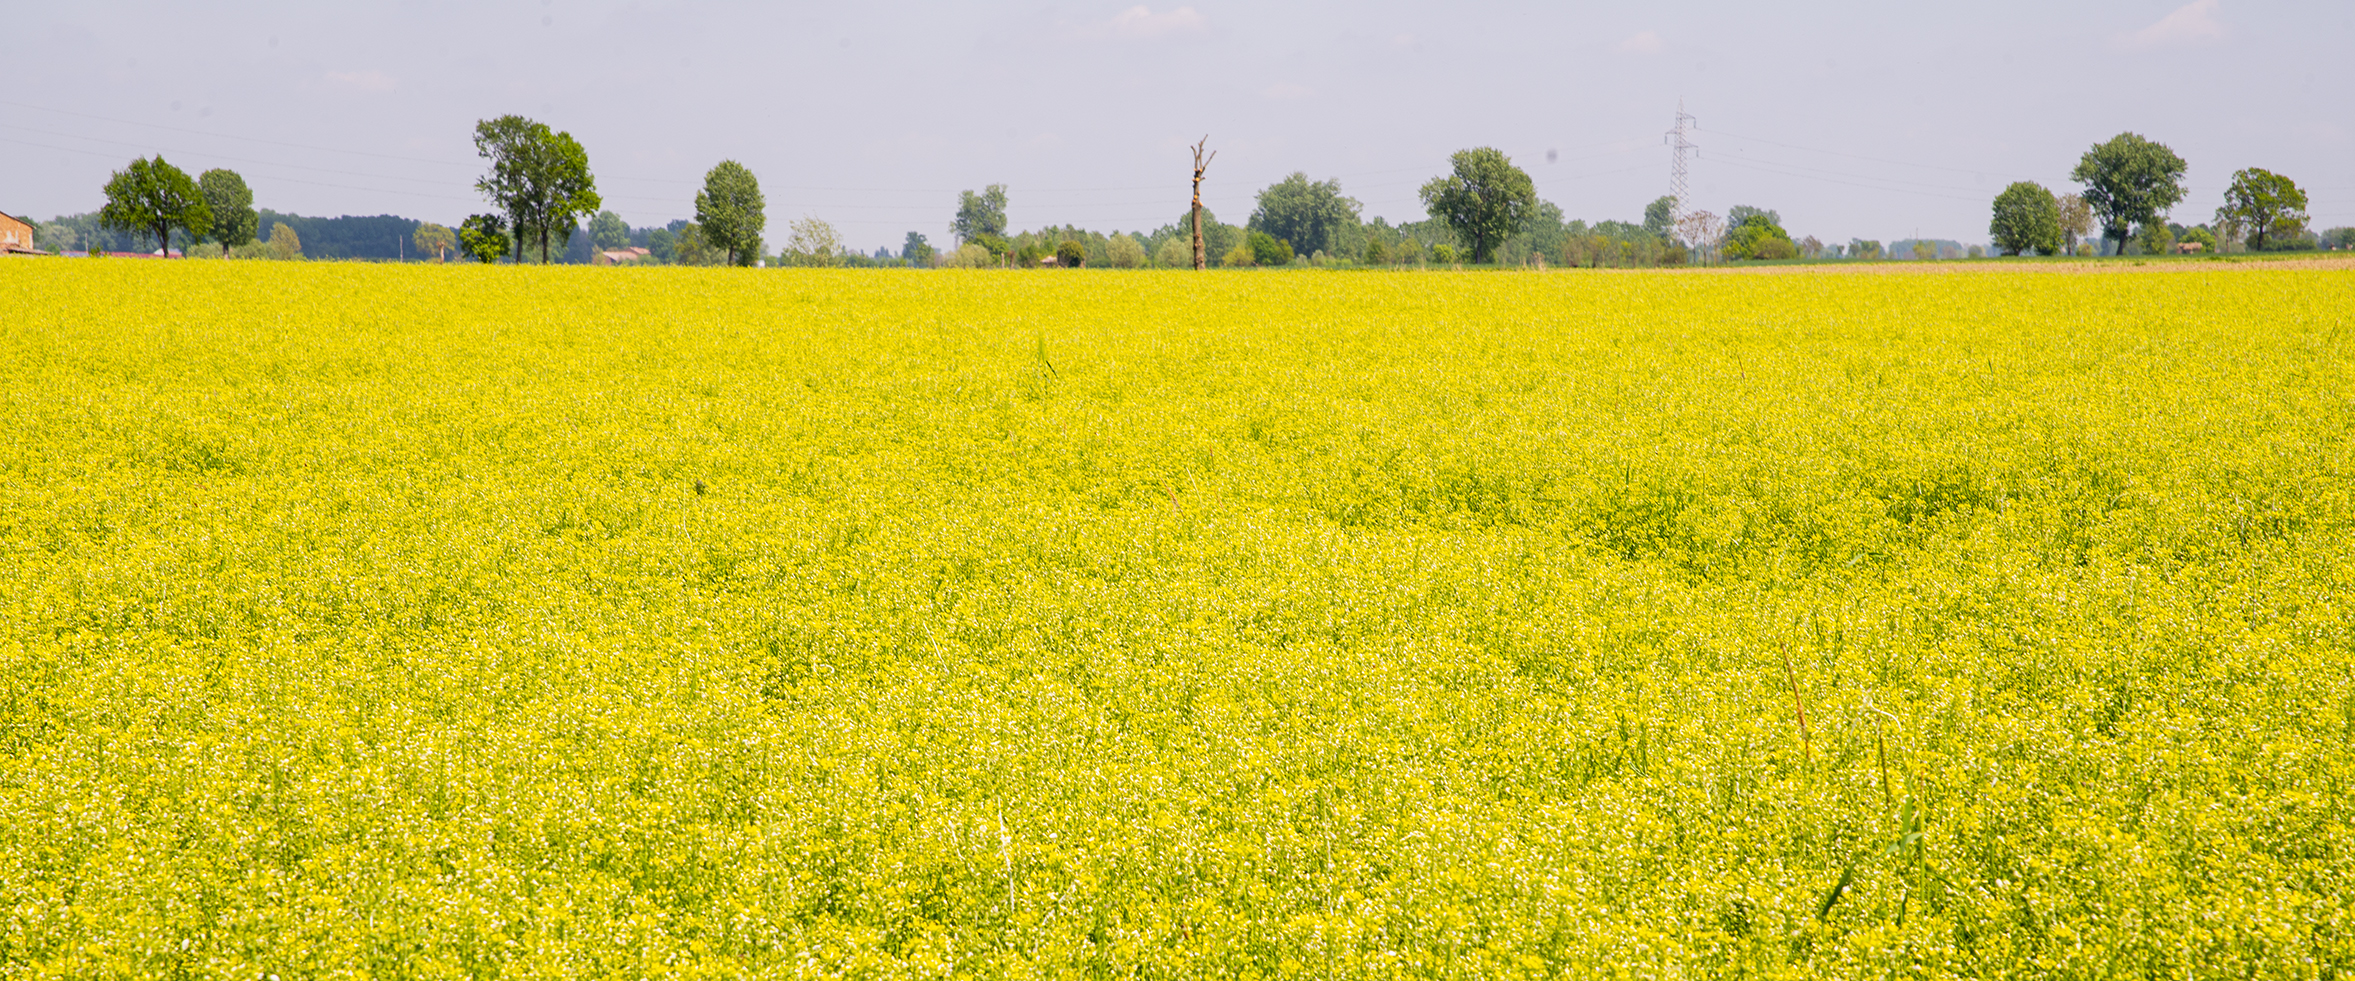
(1859, 156)
(222, 156)
(617, 177)
(1829, 180)
(225, 136)
(626, 177)
(1838, 173)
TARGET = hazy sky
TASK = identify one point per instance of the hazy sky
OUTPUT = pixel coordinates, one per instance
(1875, 120)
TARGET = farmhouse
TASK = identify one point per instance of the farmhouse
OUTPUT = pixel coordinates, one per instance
(614, 257)
(16, 236)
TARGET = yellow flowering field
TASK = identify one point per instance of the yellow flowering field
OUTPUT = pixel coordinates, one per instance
(472, 622)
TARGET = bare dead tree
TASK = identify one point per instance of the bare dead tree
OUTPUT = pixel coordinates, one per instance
(1701, 229)
(1201, 164)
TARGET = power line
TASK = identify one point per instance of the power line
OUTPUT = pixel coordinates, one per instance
(1859, 156)
(609, 176)
(225, 136)
(290, 180)
(1867, 177)
(1828, 180)
(223, 156)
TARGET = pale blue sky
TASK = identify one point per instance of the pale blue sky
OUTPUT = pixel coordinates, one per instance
(1874, 120)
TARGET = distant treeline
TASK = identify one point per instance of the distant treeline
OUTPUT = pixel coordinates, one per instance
(381, 237)
(348, 237)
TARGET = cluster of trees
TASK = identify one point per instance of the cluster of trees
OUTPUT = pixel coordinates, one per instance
(151, 199)
(1485, 209)
(277, 235)
(2131, 183)
(541, 183)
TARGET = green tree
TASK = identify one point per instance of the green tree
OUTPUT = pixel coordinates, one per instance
(1312, 215)
(731, 211)
(1071, 254)
(2156, 238)
(971, 255)
(996, 245)
(1124, 252)
(538, 176)
(608, 231)
(1758, 237)
(2026, 218)
(1175, 253)
(153, 197)
(2129, 181)
(2264, 206)
(231, 202)
(2205, 238)
(916, 250)
(1739, 214)
(981, 214)
(55, 236)
(811, 241)
(2076, 220)
(1218, 238)
(1485, 199)
(1660, 217)
(437, 239)
(284, 245)
(484, 237)
(1268, 250)
(689, 247)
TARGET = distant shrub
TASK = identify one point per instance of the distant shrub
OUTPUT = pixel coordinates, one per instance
(1268, 250)
(1124, 252)
(284, 246)
(971, 255)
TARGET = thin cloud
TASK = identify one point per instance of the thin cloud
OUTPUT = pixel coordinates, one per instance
(1647, 42)
(2191, 23)
(369, 81)
(1138, 23)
